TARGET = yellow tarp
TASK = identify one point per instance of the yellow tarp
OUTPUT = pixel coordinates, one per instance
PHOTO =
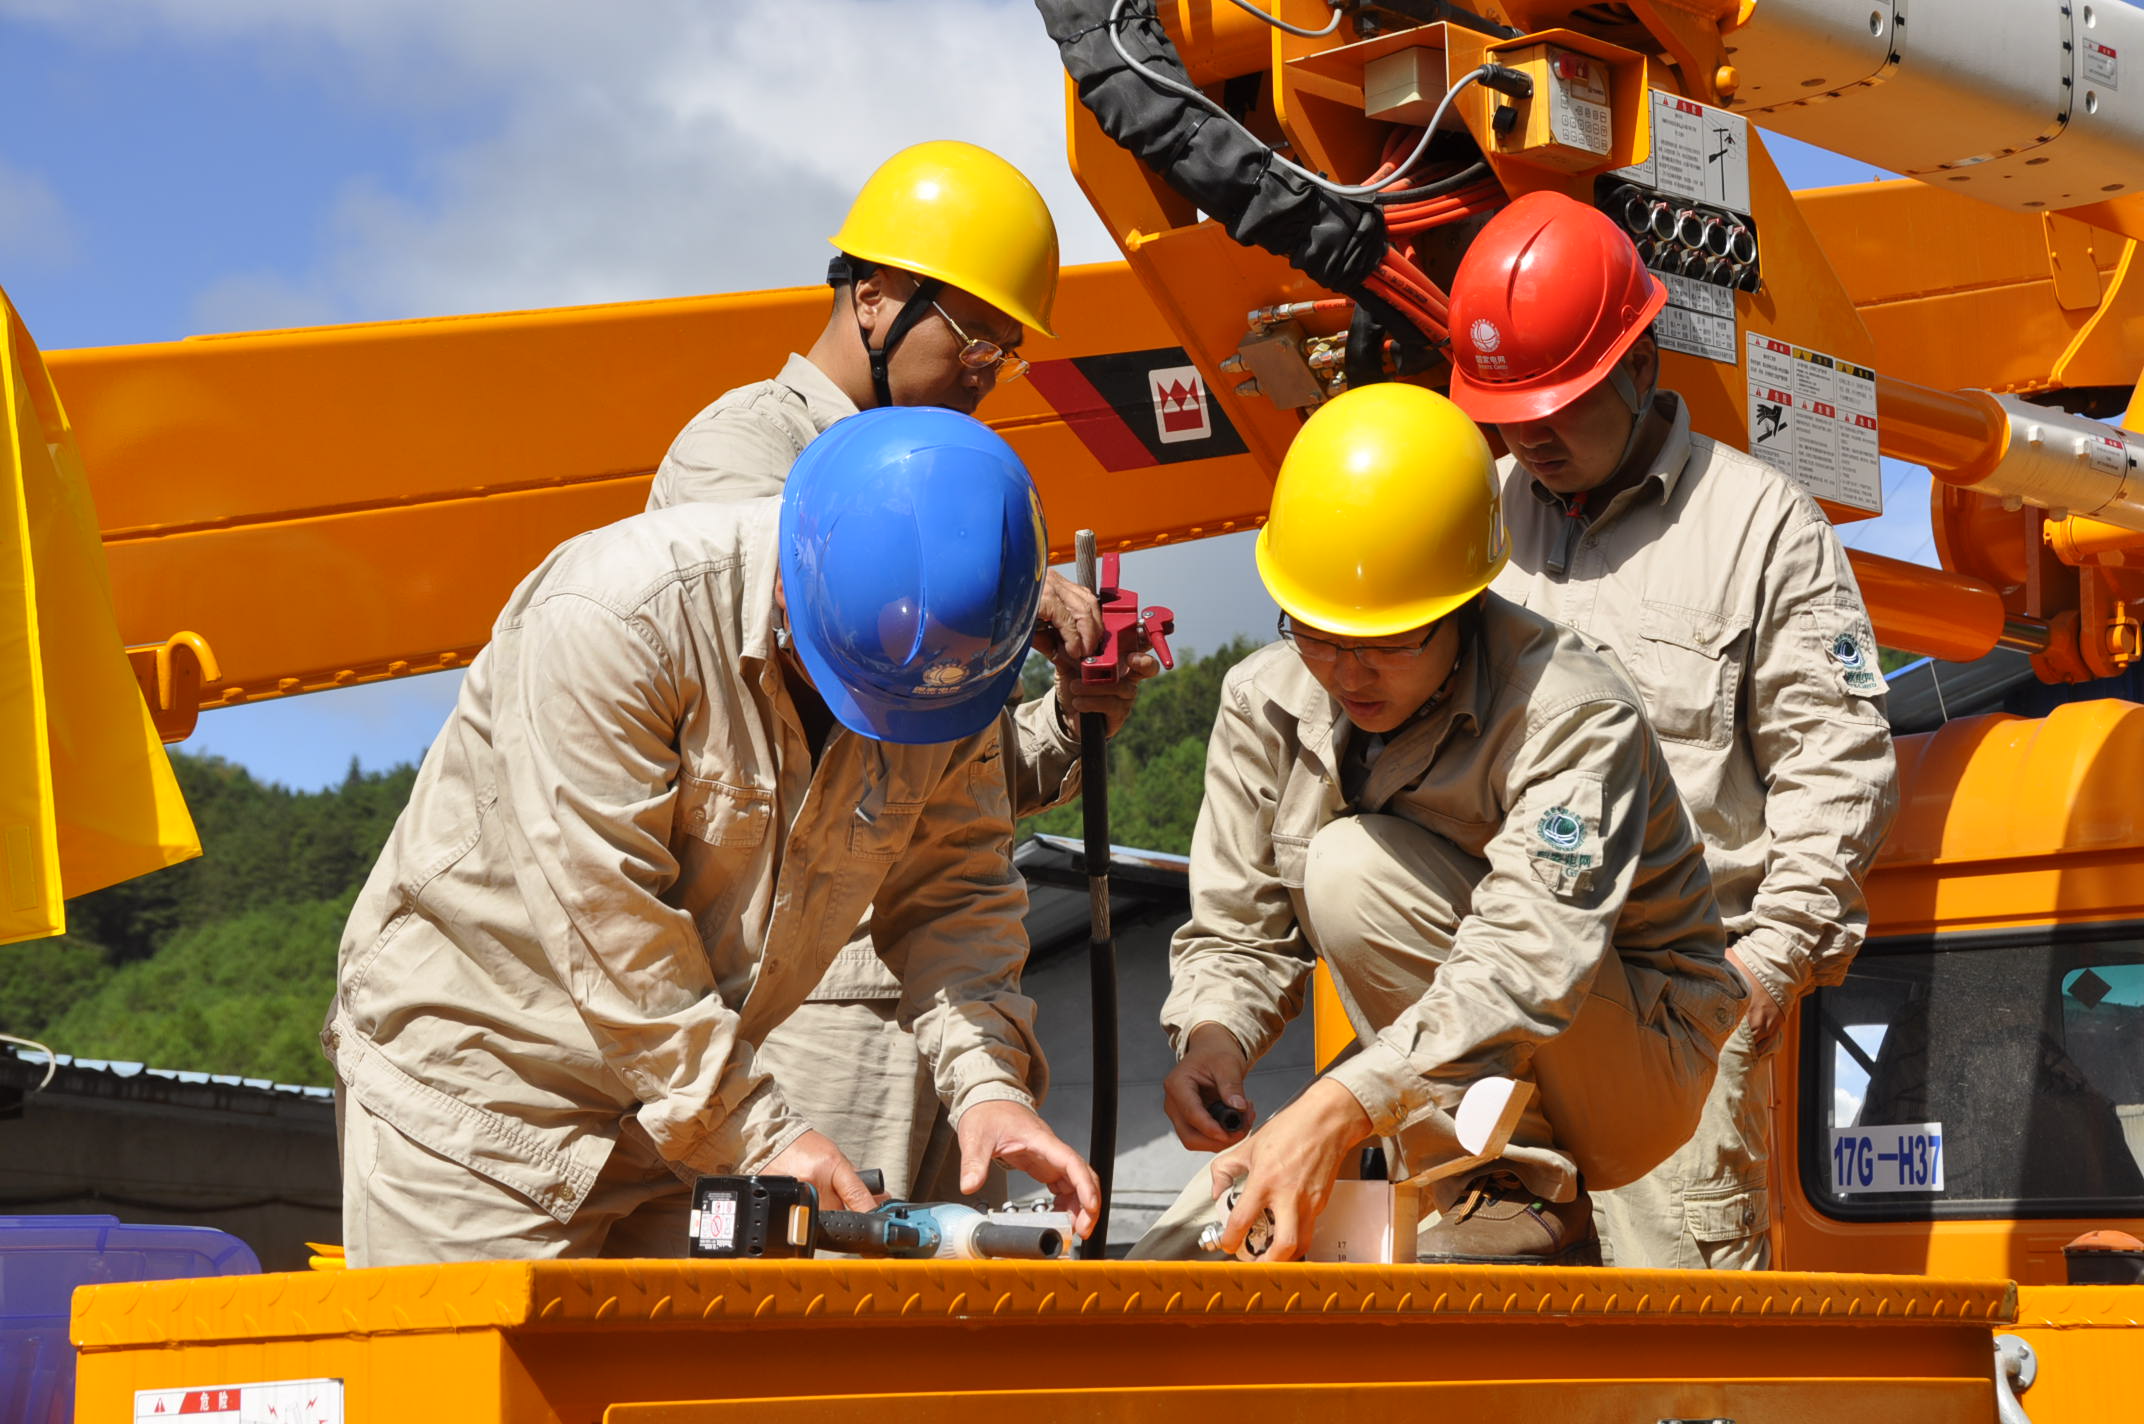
(87, 797)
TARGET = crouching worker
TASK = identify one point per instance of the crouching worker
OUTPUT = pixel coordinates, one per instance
(701, 744)
(1463, 812)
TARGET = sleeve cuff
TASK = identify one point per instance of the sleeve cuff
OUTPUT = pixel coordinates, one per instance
(989, 1093)
(1051, 734)
(1242, 1027)
(758, 1129)
(1386, 1085)
(1779, 969)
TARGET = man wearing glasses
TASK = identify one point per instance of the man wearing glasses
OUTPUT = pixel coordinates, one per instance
(1463, 812)
(945, 260)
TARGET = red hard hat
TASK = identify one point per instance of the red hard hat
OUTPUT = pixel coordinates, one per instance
(1549, 297)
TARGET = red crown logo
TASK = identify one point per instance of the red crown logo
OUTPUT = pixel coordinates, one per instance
(1180, 406)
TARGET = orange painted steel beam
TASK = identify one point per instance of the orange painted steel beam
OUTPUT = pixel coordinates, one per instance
(343, 504)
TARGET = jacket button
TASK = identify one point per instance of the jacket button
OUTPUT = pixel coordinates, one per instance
(1749, 1215)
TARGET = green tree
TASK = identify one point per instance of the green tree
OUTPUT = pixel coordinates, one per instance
(1157, 763)
(41, 980)
(244, 995)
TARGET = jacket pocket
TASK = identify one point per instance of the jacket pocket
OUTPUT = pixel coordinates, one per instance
(1690, 667)
(881, 829)
(1731, 1216)
(724, 815)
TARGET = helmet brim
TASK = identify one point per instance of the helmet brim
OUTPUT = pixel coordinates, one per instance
(952, 718)
(1359, 622)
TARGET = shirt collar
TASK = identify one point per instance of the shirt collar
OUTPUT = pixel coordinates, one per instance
(1668, 463)
(824, 402)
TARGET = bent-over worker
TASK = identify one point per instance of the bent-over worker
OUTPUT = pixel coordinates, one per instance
(701, 745)
(1722, 588)
(1461, 811)
(947, 257)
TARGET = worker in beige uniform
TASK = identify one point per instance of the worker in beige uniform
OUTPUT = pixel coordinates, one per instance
(1461, 812)
(947, 256)
(701, 744)
(1722, 589)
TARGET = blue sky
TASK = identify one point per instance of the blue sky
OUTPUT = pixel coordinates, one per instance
(177, 166)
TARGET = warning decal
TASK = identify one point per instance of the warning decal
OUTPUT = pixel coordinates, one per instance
(1814, 416)
(1698, 152)
(314, 1401)
(2102, 65)
(1136, 409)
(1699, 319)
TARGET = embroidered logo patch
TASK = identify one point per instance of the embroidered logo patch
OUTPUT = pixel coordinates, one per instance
(1853, 660)
(1561, 830)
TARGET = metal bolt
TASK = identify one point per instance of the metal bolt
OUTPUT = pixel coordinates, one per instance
(1247, 388)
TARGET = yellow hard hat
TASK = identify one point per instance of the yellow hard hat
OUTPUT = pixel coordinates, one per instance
(965, 216)
(1386, 514)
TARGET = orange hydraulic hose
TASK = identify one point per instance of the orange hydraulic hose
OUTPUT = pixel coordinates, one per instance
(1956, 434)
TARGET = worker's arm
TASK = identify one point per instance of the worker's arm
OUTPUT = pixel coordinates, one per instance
(1815, 714)
(733, 450)
(951, 913)
(949, 917)
(1542, 920)
(1241, 962)
(586, 708)
(1041, 756)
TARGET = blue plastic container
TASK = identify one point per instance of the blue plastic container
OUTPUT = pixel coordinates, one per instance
(42, 1260)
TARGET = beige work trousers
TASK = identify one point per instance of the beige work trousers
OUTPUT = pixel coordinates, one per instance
(851, 1071)
(1383, 899)
(1708, 1207)
(406, 1205)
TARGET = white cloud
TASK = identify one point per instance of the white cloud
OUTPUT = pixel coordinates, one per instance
(653, 149)
(34, 227)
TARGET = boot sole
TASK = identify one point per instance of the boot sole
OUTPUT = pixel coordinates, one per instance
(1584, 1253)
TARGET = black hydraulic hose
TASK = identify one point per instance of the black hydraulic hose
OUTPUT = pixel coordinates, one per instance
(1101, 967)
(1102, 941)
(1336, 239)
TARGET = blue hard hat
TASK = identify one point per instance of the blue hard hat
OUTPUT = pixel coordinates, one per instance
(912, 559)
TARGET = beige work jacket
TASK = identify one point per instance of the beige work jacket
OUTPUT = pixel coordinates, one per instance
(1537, 733)
(741, 447)
(619, 869)
(1723, 590)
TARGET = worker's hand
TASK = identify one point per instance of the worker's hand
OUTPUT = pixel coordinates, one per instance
(1071, 620)
(1211, 1070)
(1112, 699)
(1763, 1015)
(1288, 1169)
(1011, 1133)
(816, 1159)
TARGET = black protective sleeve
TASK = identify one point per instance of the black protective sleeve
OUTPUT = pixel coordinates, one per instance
(1229, 174)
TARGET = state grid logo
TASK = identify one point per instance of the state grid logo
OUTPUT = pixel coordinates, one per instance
(1181, 408)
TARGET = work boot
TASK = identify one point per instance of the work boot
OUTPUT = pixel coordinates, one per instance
(1498, 1222)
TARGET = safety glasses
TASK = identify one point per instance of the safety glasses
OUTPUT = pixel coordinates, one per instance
(1384, 657)
(978, 354)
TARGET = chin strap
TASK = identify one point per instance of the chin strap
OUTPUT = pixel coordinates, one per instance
(1619, 378)
(845, 271)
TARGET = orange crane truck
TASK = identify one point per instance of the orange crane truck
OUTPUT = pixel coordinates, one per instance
(1951, 1119)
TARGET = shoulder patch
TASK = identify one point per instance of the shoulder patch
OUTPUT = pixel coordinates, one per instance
(1562, 821)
